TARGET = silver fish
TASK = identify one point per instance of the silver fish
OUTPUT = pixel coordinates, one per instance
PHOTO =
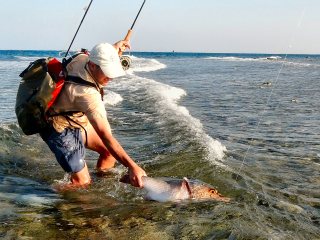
(164, 190)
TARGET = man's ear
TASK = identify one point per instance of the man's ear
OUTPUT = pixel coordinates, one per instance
(92, 66)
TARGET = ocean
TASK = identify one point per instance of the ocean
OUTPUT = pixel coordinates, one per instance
(247, 124)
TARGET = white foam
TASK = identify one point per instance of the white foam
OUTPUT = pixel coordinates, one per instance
(111, 98)
(297, 64)
(167, 98)
(244, 59)
(270, 59)
(144, 65)
(28, 59)
(9, 66)
(273, 58)
(231, 59)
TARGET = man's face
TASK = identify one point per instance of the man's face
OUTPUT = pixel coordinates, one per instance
(99, 76)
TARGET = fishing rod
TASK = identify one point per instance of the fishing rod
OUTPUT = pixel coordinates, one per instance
(128, 36)
(125, 60)
(78, 28)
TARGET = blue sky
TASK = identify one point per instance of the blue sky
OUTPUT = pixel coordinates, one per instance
(243, 26)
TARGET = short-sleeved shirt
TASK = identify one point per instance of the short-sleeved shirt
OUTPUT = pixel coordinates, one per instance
(84, 100)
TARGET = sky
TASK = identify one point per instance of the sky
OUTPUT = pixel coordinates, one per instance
(216, 26)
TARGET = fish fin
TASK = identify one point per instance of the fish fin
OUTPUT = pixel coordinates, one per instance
(185, 184)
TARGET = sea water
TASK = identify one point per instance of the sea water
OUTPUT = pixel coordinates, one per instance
(247, 124)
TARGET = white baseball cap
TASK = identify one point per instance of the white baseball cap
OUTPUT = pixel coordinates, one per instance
(107, 58)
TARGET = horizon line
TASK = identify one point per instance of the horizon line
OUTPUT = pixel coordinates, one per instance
(182, 52)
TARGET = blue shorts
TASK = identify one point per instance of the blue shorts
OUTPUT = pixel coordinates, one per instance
(67, 146)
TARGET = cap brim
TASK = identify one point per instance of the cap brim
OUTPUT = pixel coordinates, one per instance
(113, 70)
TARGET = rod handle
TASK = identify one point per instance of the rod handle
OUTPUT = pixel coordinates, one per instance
(128, 36)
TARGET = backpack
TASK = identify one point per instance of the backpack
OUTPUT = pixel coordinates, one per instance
(41, 83)
(40, 86)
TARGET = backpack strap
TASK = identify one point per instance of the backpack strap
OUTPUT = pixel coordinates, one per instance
(66, 61)
(80, 81)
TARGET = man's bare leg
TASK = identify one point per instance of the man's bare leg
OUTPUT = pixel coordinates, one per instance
(81, 178)
(105, 162)
(94, 142)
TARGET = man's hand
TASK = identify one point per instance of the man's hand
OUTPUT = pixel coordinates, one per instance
(136, 173)
(121, 46)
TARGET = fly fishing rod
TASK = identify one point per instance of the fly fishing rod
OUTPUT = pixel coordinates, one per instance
(126, 60)
(78, 28)
(128, 36)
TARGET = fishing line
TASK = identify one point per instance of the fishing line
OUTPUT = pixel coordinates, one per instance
(271, 92)
(87, 9)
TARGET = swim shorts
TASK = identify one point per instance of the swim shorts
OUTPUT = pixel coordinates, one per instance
(67, 146)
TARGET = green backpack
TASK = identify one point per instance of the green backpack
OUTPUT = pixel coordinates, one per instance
(41, 83)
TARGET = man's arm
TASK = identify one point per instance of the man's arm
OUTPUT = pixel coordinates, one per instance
(135, 172)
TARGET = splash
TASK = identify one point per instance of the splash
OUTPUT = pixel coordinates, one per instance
(166, 100)
(168, 106)
(111, 98)
(145, 65)
(166, 103)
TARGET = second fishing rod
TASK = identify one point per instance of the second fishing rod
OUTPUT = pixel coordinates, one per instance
(125, 60)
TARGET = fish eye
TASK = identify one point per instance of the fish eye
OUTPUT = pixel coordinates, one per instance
(213, 191)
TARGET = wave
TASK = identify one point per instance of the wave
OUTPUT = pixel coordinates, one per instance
(22, 58)
(230, 59)
(111, 98)
(145, 65)
(271, 59)
(297, 64)
(164, 100)
(245, 59)
(168, 107)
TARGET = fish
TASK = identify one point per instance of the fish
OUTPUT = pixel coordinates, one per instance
(172, 190)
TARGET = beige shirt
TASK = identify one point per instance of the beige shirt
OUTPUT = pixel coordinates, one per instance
(85, 100)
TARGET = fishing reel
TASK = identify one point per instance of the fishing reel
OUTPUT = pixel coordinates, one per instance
(125, 62)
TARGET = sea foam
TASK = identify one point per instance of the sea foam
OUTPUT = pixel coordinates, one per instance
(166, 99)
(111, 98)
(167, 105)
(144, 65)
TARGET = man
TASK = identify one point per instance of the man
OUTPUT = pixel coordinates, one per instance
(78, 117)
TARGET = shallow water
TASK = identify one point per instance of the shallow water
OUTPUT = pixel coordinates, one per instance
(244, 124)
